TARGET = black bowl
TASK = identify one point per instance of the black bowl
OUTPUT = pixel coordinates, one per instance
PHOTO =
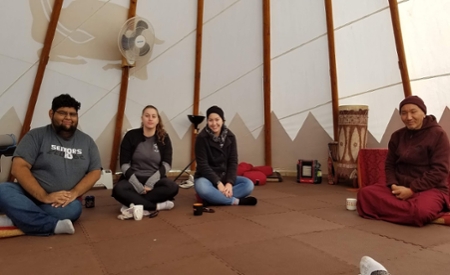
(196, 120)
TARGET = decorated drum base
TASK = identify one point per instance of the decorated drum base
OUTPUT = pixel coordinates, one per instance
(352, 133)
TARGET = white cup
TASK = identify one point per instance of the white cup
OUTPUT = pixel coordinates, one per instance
(351, 204)
(138, 212)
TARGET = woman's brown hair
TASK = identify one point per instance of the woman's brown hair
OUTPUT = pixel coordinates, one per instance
(160, 131)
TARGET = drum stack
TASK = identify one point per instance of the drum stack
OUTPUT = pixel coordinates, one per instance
(352, 134)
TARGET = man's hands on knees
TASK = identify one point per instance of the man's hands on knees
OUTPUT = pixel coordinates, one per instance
(401, 192)
(60, 198)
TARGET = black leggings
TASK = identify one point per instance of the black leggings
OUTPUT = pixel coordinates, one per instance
(163, 190)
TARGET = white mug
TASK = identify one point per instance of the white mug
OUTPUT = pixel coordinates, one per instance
(351, 204)
(138, 212)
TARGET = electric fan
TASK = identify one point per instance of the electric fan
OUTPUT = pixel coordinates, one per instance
(136, 39)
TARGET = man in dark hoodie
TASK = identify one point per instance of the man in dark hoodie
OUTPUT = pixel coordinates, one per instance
(417, 167)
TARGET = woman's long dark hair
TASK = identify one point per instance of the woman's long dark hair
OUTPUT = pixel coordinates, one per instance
(160, 131)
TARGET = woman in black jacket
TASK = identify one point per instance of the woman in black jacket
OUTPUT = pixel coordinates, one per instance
(145, 159)
(216, 155)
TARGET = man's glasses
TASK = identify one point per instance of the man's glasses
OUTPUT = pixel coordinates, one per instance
(64, 113)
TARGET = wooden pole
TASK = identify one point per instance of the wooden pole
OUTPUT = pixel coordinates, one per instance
(393, 5)
(57, 6)
(197, 73)
(332, 61)
(122, 100)
(267, 84)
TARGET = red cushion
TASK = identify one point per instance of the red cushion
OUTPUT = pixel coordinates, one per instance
(243, 167)
(448, 181)
(371, 164)
(266, 170)
(257, 177)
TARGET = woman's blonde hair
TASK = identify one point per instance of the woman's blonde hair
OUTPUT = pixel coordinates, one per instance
(160, 131)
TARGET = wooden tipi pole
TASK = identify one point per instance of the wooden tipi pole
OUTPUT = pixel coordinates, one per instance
(197, 72)
(122, 100)
(393, 6)
(332, 61)
(267, 84)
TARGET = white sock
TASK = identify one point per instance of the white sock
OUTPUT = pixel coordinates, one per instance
(369, 266)
(5, 221)
(64, 227)
(167, 205)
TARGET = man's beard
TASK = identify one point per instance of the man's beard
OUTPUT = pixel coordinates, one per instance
(61, 129)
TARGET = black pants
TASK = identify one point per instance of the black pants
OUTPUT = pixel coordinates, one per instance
(163, 190)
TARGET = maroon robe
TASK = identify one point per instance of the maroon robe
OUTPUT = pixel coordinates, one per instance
(419, 160)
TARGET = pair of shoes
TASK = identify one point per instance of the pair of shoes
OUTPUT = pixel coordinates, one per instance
(369, 266)
(186, 184)
(126, 213)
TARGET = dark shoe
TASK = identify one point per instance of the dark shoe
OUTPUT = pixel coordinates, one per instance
(153, 214)
(248, 201)
(208, 210)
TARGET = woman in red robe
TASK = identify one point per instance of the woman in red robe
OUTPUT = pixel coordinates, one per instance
(417, 167)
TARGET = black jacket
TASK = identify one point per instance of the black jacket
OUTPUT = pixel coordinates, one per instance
(130, 142)
(215, 163)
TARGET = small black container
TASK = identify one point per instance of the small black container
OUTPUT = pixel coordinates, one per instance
(89, 201)
(198, 209)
